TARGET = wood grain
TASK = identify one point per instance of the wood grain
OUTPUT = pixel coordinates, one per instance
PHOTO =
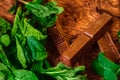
(106, 45)
(110, 6)
(5, 6)
(91, 35)
(59, 40)
(98, 25)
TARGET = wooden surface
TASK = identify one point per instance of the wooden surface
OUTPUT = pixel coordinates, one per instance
(97, 26)
(92, 34)
(58, 39)
(106, 45)
(5, 6)
(110, 6)
(74, 48)
(79, 14)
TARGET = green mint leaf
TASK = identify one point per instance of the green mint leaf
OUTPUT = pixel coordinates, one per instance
(3, 57)
(45, 15)
(2, 76)
(38, 50)
(118, 35)
(37, 1)
(31, 31)
(5, 73)
(24, 75)
(16, 22)
(37, 66)
(105, 67)
(62, 72)
(4, 26)
(109, 75)
(20, 54)
(5, 40)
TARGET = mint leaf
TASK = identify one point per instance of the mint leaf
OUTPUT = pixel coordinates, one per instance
(109, 75)
(37, 1)
(44, 11)
(20, 54)
(37, 49)
(62, 72)
(118, 34)
(31, 31)
(16, 22)
(45, 15)
(5, 40)
(3, 57)
(104, 67)
(2, 76)
(4, 26)
(24, 75)
(5, 73)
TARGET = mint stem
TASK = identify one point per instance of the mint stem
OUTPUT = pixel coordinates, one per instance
(23, 2)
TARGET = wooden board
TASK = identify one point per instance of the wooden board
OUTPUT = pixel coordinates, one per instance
(91, 35)
(106, 45)
(59, 40)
